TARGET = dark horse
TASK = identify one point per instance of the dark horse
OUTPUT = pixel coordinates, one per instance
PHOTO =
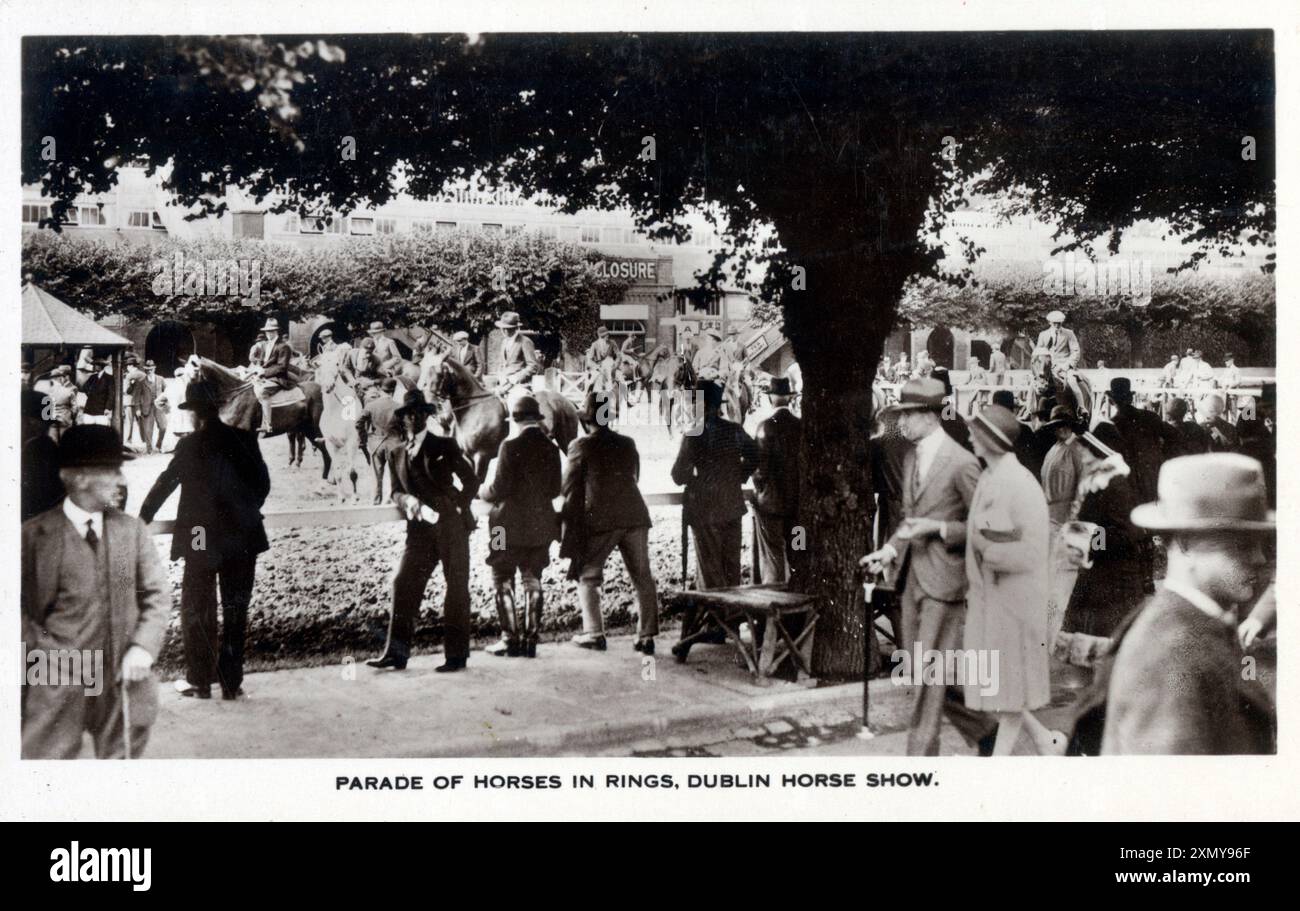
(1072, 389)
(679, 381)
(240, 407)
(478, 417)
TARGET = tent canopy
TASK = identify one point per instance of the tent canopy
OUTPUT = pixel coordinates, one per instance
(50, 323)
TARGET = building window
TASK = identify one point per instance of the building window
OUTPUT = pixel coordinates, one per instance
(33, 213)
(144, 218)
(625, 326)
(514, 228)
(686, 306)
(590, 234)
(322, 224)
(362, 225)
(570, 234)
(492, 229)
(444, 227)
(86, 217)
(550, 231)
(385, 225)
(422, 225)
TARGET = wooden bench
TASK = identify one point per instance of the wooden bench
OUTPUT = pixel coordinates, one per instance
(716, 615)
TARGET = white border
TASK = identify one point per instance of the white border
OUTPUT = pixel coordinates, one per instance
(1014, 788)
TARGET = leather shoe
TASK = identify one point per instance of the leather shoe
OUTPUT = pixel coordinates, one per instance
(386, 661)
(450, 665)
(232, 695)
(193, 692)
(583, 640)
(644, 646)
(987, 742)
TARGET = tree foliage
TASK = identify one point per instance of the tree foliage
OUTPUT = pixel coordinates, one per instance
(458, 280)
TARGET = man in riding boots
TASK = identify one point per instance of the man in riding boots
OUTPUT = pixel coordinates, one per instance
(518, 357)
(433, 485)
(467, 354)
(522, 525)
(273, 373)
(602, 356)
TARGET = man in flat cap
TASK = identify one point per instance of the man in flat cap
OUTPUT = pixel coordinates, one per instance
(1176, 686)
(928, 554)
(467, 353)
(601, 359)
(272, 370)
(386, 351)
(93, 586)
(519, 361)
(1060, 343)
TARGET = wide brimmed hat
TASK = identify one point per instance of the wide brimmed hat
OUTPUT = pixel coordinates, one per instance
(1056, 316)
(779, 385)
(461, 336)
(91, 446)
(998, 424)
(200, 396)
(525, 408)
(1222, 491)
(410, 400)
(1104, 440)
(508, 320)
(1062, 416)
(376, 326)
(602, 331)
(921, 394)
(325, 333)
(270, 326)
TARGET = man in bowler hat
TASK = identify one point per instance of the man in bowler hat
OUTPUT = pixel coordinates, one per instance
(92, 584)
(219, 533)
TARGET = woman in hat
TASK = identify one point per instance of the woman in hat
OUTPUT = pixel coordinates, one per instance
(1102, 540)
(1062, 469)
(1006, 598)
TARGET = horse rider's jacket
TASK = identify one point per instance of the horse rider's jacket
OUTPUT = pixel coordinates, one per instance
(275, 365)
(518, 359)
(601, 349)
(1062, 344)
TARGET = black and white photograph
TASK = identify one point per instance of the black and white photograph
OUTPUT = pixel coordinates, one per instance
(696, 404)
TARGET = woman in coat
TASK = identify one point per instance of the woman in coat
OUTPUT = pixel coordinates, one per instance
(1007, 578)
(1109, 584)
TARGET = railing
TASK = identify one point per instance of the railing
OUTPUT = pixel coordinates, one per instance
(342, 516)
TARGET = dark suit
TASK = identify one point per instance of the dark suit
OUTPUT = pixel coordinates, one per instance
(144, 391)
(219, 532)
(139, 603)
(714, 465)
(1223, 436)
(99, 395)
(276, 360)
(1177, 688)
(932, 575)
(527, 480)
(380, 416)
(1146, 439)
(430, 475)
(1190, 438)
(518, 359)
(1260, 443)
(776, 484)
(603, 510)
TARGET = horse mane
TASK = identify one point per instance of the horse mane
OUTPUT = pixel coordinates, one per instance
(467, 382)
(222, 375)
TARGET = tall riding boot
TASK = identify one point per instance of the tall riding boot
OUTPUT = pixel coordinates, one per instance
(266, 416)
(532, 621)
(507, 617)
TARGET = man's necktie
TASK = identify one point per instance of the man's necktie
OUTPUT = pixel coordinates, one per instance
(91, 538)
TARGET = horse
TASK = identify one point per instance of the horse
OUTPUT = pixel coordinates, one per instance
(640, 376)
(342, 408)
(239, 406)
(1071, 389)
(679, 381)
(478, 417)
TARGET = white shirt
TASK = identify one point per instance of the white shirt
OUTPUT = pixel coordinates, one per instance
(79, 517)
(1200, 599)
(927, 448)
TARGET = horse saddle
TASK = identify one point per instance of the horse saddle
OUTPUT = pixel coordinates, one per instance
(287, 397)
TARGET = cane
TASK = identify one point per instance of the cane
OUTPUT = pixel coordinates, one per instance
(868, 629)
(126, 717)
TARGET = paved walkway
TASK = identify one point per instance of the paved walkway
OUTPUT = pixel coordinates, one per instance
(567, 701)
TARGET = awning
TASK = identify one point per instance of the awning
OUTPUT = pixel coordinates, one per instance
(50, 323)
(625, 311)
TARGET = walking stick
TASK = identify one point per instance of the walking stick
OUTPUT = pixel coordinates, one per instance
(126, 717)
(684, 547)
(868, 629)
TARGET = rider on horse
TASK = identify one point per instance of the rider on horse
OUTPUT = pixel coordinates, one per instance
(1061, 344)
(272, 370)
(518, 357)
(602, 357)
(467, 354)
(386, 351)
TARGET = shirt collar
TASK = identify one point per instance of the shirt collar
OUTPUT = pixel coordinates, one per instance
(1200, 600)
(414, 446)
(929, 444)
(79, 517)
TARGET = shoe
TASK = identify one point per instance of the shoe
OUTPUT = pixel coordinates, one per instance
(586, 640)
(187, 689)
(450, 665)
(232, 695)
(529, 650)
(386, 661)
(644, 646)
(504, 648)
(987, 741)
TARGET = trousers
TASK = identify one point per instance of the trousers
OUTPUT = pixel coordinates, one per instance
(937, 625)
(209, 657)
(426, 547)
(717, 554)
(634, 545)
